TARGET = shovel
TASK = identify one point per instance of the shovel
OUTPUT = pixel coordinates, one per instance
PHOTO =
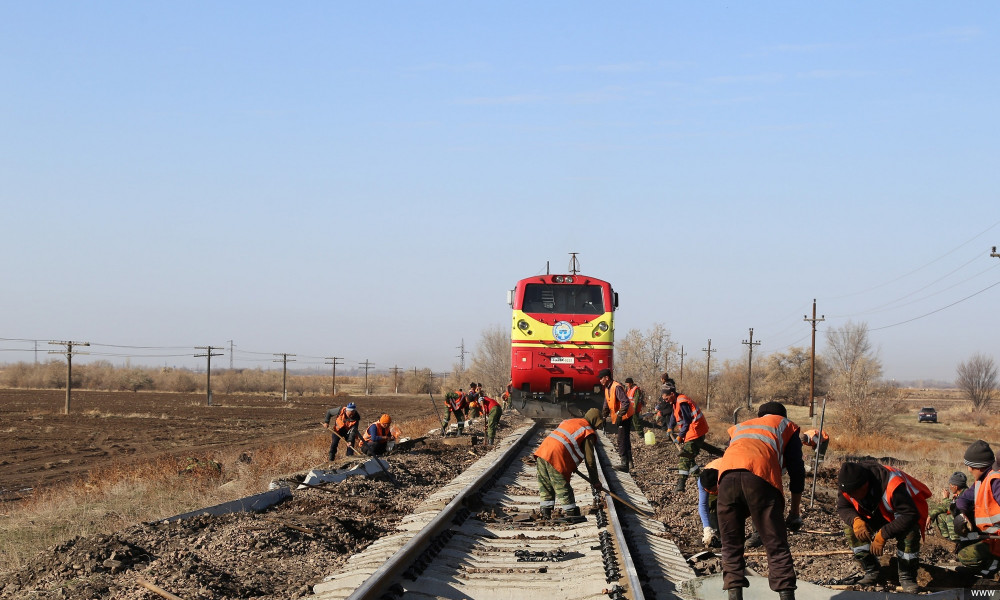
(625, 502)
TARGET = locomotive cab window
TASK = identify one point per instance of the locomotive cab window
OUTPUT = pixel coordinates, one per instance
(567, 298)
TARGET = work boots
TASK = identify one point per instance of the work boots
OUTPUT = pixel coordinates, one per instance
(786, 594)
(545, 512)
(736, 593)
(681, 483)
(870, 566)
(908, 575)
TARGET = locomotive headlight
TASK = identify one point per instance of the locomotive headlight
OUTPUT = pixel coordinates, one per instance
(558, 278)
(568, 280)
(522, 325)
(602, 326)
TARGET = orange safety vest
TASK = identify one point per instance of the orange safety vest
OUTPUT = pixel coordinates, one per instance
(758, 445)
(637, 403)
(611, 400)
(813, 437)
(564, 447)
(699, 424)
(456, 403)
(344, 421)
(918, 491)
(988, 510)
(381, 430)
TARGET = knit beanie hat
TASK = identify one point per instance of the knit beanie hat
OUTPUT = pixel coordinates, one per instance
(851, 477)
(772, 408)
(958, 479)
(604, 373)
(979, 455)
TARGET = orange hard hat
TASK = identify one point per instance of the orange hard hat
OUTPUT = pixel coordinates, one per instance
(385, 419)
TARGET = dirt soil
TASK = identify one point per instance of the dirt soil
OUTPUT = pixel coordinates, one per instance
(280, 553)
(818, 549)
(40, 445)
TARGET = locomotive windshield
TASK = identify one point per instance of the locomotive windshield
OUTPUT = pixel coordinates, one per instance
(563, 298)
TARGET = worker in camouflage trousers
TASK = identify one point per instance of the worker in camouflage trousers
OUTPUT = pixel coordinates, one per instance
(557, 458)
(456, 404)
(942, 515)
(492, 411)
(978, 523)
(691, 438)
(878, 504)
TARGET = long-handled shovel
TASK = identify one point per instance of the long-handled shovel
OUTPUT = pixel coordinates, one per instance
(437, 412)
(628, 504)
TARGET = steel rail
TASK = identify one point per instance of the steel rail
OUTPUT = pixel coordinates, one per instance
(387, 575)
(634, 585)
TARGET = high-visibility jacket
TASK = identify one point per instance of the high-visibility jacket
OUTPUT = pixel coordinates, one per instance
(917, 491)
(758, 445)
(564, 447)
(346, 421)
(638, 397)
(611, 400)
(381, 431)
(814, 437)
(699, 424)
(988, 510)
(457, 403)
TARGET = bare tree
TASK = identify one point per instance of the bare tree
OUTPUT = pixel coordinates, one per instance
(977, 378)
(785, 376)
(491, 359)
(868, 403)
(642, 356)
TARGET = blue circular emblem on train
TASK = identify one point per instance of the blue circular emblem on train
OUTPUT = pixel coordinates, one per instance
(562, 331)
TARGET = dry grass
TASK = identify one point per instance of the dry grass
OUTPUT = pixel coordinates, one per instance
(109, 499)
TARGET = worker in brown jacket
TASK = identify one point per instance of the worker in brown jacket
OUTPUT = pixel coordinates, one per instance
(750, 486)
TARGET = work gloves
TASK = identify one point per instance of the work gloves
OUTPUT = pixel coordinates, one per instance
(793, 522)
(861, 530)
(707, 534)
(878, 544)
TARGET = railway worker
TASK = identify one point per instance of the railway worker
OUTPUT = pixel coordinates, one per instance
(942, 515)
(377, 437)
(559, 455)
(693, 426)
(750, 485)
(472, 399)
(817, 440)
(619, 409)
(456, 405)
(638, 398)
(979, 506)
(492, 411)
(505, 397)
(345, 425)
(878, 504)
(708, 496)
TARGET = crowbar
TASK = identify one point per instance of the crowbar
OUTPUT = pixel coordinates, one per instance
(635, 508)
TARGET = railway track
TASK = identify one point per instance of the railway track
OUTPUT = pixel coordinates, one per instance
(478, 538)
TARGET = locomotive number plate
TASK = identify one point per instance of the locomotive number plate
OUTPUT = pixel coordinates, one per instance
(562, 360)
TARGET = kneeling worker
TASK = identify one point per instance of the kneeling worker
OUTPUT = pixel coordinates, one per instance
(558, 456)
(880, 503)
(377, 436)
(980, 504)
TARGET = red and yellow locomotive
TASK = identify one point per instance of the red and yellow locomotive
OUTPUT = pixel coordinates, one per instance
(562, 334)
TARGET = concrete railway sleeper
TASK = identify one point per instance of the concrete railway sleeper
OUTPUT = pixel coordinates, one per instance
(487, 541)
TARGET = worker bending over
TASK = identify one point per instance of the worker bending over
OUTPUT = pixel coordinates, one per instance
(693, 426)
(558, 456)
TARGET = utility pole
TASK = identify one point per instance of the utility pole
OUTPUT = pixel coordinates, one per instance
(284, 372)
(681, 353)
(231, 345)
(461, 354)
(334, 360)
(69, 366)
(708, 373)
(368, 366)
(395, 379)
(208, 370)
(812, 358)
(750, 345)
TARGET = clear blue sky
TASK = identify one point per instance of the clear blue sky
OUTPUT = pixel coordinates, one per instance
(366, 180)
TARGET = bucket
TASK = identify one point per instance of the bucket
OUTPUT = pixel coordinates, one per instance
(649, 438)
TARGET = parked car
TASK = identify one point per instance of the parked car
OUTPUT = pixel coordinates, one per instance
(927, 414)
